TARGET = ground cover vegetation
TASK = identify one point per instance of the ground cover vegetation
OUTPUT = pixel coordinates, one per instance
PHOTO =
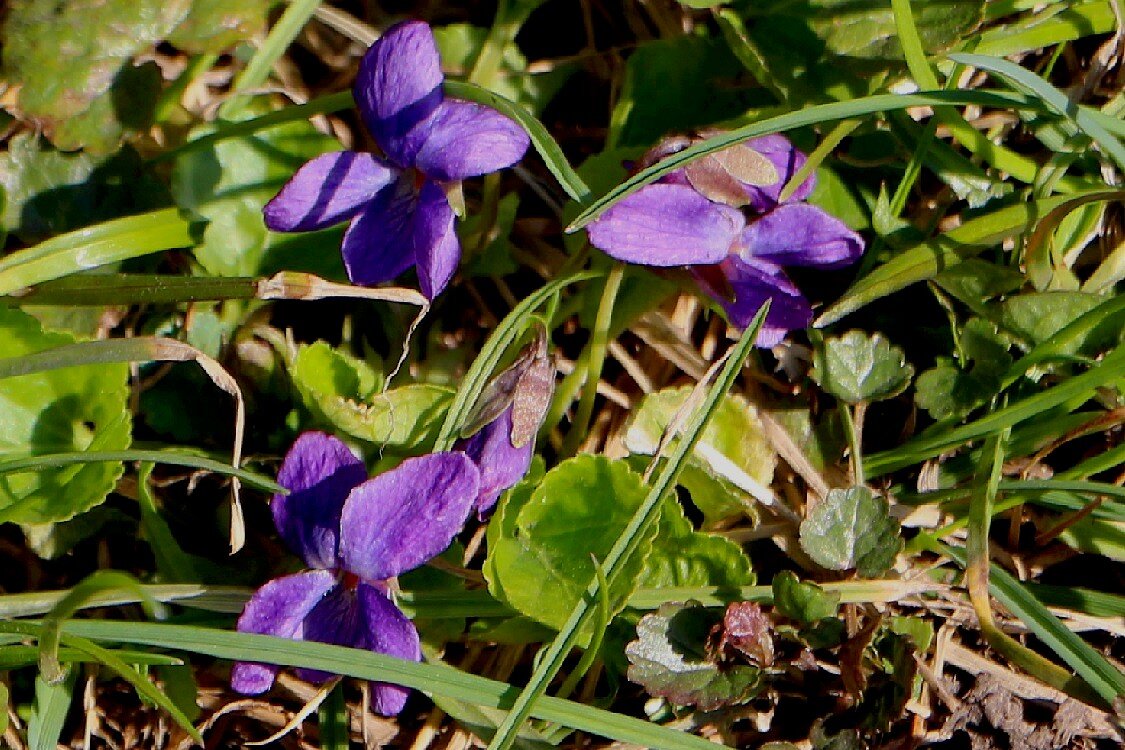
(561, 373)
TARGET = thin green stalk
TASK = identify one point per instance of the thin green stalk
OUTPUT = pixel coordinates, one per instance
(322, 105)
(100, 289)
(628, 542)
(854, 442)
(174, 94)
(594, 360)
(257, 71)
(841, 131)
(978, 567)
(509, 18)
(54, 460)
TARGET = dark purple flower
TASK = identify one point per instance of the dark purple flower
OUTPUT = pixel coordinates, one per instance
(499, 435)
(400, 216)
(689, 219)
(354, 534)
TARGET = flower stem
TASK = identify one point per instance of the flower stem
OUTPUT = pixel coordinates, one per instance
(593, 361)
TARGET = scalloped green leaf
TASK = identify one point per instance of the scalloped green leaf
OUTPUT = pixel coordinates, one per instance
(73, 63)
(858, 367)
(342, 392)
(57, 411)
(544, 540)
(802, 601)
(229, 181)
(730, 459)
(682, 556)
(669, 659)
(952, 389)
(852, 529)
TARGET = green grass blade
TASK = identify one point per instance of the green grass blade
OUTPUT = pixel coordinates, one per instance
(322, 105)
(492, 352)
(629, 541)
(257, 71)
(1088, 663)
(333, 721)
(99, 245)
(96, 290)
(195, 461)
(227, 599)
(366, 665)
(927, 446)
(547, 146)
(1078, 21)
(99, 582)
(1087, 601)
(813, 115)
(1055, 99)
(930, 257)
(48, 713)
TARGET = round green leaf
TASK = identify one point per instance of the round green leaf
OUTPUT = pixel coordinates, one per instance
(852, 528)
(860, 367)
(682, 556)
(58, 411)
(543, 543)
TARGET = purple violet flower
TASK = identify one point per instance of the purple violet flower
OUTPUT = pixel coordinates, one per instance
(499, 435)
(690, 218)
(400, 215)
(354, 534)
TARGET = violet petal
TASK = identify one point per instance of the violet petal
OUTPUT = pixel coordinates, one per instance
(501, 464)
(408, 515)
(798, 234)
(336, 619)
(278, 608)
(787, 160)
(319, 471)
(465, 139)
(388, 631)
(752, 283)
(667, 225)
(327, 190)
(437, 251)
(398, 86)
(378, 245)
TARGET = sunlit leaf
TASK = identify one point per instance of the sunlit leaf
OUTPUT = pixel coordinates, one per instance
(852, 529)
(73, 61)
(55, 411)
(731, 463)
(858, 367)
(342, 393)
(543, 555)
